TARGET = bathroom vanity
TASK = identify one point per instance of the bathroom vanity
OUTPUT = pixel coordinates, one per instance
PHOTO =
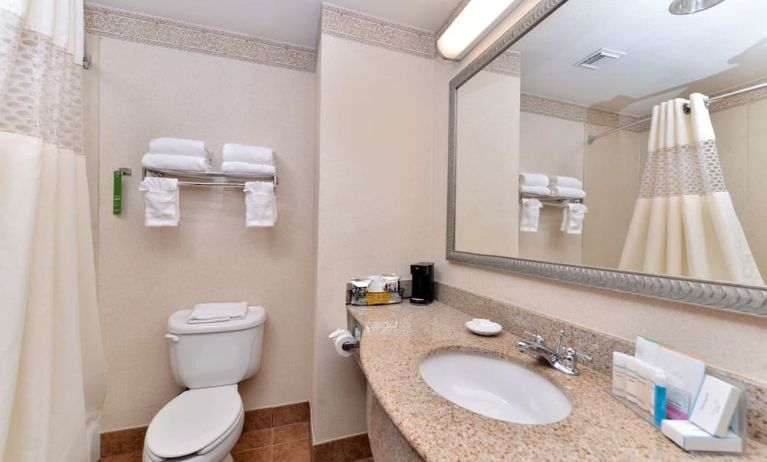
(408, 421)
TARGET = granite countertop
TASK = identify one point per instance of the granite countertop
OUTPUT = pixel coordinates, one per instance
(397, 337)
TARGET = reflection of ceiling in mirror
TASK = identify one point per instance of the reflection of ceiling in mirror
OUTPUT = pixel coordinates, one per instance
(666, 55)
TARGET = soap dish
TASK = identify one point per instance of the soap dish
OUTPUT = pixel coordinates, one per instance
(484, 327)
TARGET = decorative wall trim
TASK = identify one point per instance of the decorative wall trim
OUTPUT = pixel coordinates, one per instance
(516, 320)
(152, 30)
(351, 25)
(575, 112)
(741, 98)
(509, 63)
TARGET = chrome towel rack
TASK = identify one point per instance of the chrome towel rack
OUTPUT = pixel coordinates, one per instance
(551, 201)
(209, 178)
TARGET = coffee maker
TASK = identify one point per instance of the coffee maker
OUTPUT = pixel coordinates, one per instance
(423, 283)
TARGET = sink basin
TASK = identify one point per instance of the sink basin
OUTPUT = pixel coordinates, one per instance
(495, 388)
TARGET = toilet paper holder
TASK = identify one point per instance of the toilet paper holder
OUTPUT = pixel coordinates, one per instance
(344, 341)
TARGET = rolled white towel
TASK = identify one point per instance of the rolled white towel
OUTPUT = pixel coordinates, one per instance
(533, 179)
(176, 162)
(178, 147)
(568, 193)
(217, 312)
(234, 152)
(260, 204)
(537, 190)
(565, 182)
(161, 201)
(245, 167)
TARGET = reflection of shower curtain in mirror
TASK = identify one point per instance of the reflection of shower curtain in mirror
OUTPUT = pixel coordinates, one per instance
(684, 223)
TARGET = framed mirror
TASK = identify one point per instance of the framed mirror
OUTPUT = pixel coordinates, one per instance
(618, 145)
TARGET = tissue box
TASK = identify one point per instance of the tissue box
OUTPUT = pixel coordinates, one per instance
(690, 437)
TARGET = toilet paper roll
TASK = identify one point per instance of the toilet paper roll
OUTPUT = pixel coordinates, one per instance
(340, 337)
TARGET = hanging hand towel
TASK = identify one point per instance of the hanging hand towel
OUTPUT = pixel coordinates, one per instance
(565, 182)
(178, 147)
(175, 162)
(568, 193)
(537, 190)
(572, 218)
(217, 312)
(531, 211)
(533, 179)
(161, 201)
(245, 167)
(260, 204)
(234, 152)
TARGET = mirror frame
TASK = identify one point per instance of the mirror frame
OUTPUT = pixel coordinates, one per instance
(723, 296)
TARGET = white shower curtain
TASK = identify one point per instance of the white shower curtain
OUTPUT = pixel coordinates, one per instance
(684, 223)
(52, 380)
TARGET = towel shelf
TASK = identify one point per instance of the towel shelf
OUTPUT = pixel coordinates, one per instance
(229, 178)
(551, 201)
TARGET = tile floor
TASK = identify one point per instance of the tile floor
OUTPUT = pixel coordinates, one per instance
(286, 443)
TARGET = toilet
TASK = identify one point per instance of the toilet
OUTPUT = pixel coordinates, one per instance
(203, 423)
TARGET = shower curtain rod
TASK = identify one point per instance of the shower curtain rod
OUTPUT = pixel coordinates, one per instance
(590, 140)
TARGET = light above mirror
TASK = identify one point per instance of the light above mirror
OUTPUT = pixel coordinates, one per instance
(471, 25)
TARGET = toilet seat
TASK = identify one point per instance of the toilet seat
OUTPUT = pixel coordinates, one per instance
(194, 422)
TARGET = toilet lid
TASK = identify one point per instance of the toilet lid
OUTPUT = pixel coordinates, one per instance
(193, 420)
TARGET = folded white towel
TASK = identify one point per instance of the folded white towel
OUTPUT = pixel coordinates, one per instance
(217, 312)
(176, 162)
(260, 204)
(533, 179)
(245, 167)
(537, 190)
(568, 193)
(531, 211)
(161, 201)
(572, 218)
(178, 147)
(234, 152)
(565, 182)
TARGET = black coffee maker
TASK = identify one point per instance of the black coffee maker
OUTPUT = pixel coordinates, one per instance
(423, 283)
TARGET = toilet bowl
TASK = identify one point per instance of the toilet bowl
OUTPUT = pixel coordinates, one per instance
(204, 423)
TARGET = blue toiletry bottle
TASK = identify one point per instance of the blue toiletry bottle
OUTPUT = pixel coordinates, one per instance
(659, 381)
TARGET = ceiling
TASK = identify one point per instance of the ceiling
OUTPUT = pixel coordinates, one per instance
(666, 55)
(291, 21)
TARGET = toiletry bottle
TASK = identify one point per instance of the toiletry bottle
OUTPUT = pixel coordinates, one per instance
(619, 374)
(659, 381)
(643, 379)
(631, 379)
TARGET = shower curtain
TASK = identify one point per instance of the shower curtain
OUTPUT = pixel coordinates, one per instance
(52, 380)
(684, 223)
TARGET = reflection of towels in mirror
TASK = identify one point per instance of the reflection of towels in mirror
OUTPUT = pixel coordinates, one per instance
(531, 211)
(572, 218)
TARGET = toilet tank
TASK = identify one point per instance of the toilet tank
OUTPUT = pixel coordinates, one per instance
(217, 353)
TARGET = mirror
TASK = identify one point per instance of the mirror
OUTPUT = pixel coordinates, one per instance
(618, 137)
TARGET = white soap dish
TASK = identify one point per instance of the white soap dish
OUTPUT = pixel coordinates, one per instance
(484, 327)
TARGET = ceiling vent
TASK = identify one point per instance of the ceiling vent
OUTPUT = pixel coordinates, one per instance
(596, 59)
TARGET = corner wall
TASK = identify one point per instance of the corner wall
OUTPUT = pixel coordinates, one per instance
(374, 199)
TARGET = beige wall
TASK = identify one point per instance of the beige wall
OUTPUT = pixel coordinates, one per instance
(374, 200)
(725, 340)
(145, 274)
(552, 146)
(487, 165)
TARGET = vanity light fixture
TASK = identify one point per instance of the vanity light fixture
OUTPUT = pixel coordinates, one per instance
(474, 21)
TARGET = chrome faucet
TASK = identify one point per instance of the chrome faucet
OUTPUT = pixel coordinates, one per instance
(564, 359)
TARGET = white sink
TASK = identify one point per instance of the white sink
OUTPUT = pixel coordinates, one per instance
(495, 388)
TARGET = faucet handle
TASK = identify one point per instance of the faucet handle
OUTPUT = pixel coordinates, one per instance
(536, 338)
(573, 353)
